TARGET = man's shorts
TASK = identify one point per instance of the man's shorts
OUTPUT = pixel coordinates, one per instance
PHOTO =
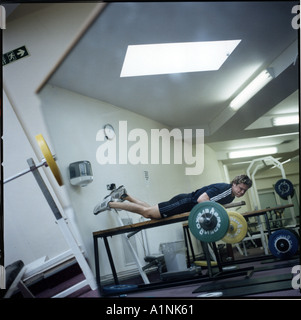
(179, 204)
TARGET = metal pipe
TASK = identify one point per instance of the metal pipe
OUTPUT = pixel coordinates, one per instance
(42, 163)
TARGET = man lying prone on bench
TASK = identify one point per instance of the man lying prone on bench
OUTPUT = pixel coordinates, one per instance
(223, 193)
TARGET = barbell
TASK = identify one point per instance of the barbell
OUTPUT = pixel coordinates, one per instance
(49, 161)
(210, 222)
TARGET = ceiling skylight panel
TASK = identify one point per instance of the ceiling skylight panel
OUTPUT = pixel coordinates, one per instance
(166, 58)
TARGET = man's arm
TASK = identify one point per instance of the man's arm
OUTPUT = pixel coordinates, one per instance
(203, 197)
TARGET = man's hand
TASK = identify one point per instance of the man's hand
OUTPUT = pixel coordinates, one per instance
(203, 197)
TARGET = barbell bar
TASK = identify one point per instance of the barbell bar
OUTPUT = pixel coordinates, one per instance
(20, 174)
(47, 161)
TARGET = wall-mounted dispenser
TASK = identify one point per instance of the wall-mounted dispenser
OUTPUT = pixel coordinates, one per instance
(80, 173)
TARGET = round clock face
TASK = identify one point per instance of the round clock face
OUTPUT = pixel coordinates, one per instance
(109, 131)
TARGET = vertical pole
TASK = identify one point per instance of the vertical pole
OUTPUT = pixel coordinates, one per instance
(111, 260)
(97, 269)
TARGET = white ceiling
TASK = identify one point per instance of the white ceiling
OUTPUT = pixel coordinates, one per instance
(196, 99)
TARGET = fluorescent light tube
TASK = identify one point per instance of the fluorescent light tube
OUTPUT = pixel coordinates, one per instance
(166, 58)
(252, 152)
(278, 135)
(250, 90)
(286, 120)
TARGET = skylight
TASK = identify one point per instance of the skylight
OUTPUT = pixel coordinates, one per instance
(166, 58)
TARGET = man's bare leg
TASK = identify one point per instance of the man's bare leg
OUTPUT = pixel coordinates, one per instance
(150, 212)
(133, 200)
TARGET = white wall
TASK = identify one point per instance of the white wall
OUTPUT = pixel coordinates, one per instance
(30, 231)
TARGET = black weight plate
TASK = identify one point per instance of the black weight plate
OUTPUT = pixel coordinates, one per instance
(292, 195)
(219, 221)
(283, 243)
(284, 188)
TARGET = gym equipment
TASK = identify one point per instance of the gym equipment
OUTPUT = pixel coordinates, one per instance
(156, 260)
(264, 212)
(283, 243)
(49, 159)
(131, 230)
(237, 229)
(208, 221)
(284, 188)
(14, 275)
(61, 222)
(254, 197)
(131, 248)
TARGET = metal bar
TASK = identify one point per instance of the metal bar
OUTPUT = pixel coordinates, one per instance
(97, 270)
(186, 245)
(129, 235)
(24, 290)
(190, 243)
(234, 204)
(72, 289)
(267, 224)
(111, 260)
(217, 256)
(20, 174)
(207, 256)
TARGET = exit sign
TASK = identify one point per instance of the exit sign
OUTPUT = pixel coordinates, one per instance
(14, 55)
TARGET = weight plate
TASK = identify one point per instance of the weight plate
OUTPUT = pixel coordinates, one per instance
(119, 288)
(208, 221)
(49, 158)
(284, 188)
(283, 243)
(292, 195)
(237, 229)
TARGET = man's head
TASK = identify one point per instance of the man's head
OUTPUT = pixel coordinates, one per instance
(240, 185)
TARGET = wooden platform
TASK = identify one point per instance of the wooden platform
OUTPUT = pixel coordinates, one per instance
(263, 211)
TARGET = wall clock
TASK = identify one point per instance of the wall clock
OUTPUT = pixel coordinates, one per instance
(109, 131)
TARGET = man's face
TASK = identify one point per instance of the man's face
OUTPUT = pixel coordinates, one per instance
(239, 189)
